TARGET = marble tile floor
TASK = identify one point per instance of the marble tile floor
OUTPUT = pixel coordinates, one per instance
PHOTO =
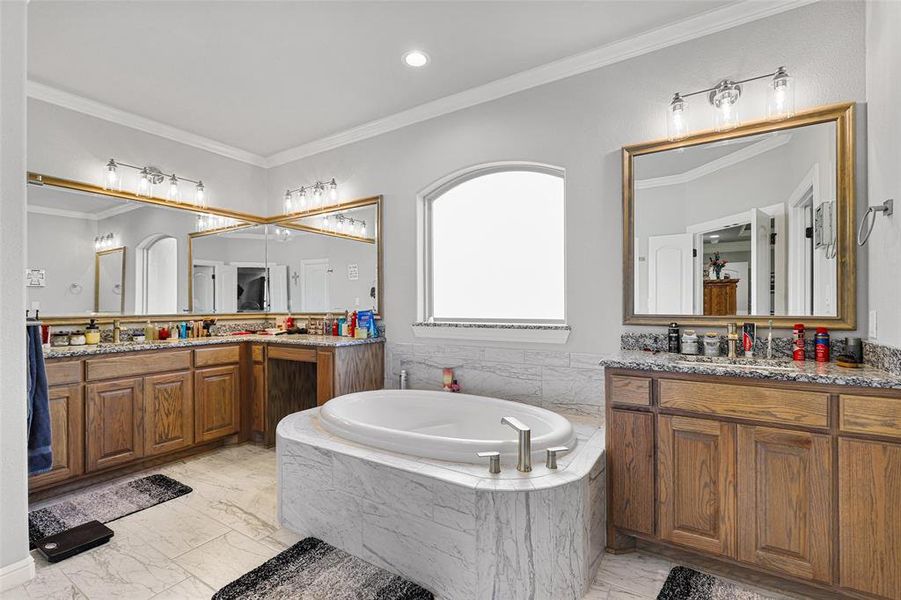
(191, 546)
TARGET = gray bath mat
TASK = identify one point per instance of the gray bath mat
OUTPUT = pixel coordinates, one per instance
(687, 584)
(314, 570)
(104, 505)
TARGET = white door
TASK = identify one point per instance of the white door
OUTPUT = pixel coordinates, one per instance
(314, 295)
(227, 289)
(204, 288)
(278, 288)
(669, 274)
(739, 270)
(760, 262)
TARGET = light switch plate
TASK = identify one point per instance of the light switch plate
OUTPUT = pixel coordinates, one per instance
(871, 333)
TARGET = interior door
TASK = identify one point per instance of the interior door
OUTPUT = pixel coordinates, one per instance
(670, 274)
(278, 288)
(314, 285)
(204, 288)
(760, 262)
(227, 289)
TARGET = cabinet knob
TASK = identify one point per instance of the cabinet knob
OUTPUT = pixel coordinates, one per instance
(552, 456)
(494, 461)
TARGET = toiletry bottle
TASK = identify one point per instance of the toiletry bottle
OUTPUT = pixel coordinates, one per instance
(352, 325)
(798, 343)
(673, 343)
(373, 328)
(748, 336)
(149, 332)
(821, 340)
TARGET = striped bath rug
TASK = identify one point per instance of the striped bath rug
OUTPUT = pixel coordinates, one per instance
(104, 505)
(314, 570)
(687, 584)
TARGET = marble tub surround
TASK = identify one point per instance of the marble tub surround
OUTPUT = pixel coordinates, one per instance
(286, 340)
(567, 382)
(450, 527)
(787, 370)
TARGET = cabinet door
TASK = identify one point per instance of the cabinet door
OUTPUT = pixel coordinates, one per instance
(115, 431)
(696, 483)
(869, 516)
(216, 406)
(631, 469)
(785, 501)
(259, 397)
(168, 412)
(67, 428)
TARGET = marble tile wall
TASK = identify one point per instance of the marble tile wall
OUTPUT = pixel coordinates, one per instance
(564, 381)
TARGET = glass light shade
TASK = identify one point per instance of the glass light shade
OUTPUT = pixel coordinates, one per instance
(303, 199)
(781, 96)
(289, 202)
(200, 195)
(724, 99)
(326, 223)
(144, 184)
(677, 119)
(172, 193)
(727, 116)
(333, 190)
(363, 228)
(317, 195)
(111, 179)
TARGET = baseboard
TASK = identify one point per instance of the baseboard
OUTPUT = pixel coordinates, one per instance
(17, 573)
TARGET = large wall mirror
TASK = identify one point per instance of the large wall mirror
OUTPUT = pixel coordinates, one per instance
(93, 253)
(752, 224)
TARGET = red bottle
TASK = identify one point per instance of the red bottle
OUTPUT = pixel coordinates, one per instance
(352, 325)
(335, 327)
(821, 341)
(798, 353)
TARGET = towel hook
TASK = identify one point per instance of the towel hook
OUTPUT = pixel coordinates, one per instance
(887, 208)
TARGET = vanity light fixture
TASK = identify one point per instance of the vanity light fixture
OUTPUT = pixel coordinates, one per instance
(724, 98)
(149, 177)
(104, 242)
(208, 222)
(343, 224)
(310, 196)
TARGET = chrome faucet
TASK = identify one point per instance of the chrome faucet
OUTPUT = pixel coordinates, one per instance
(524, 457)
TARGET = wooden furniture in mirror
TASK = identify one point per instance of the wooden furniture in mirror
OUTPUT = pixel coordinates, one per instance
(755, 223)
(797, 480)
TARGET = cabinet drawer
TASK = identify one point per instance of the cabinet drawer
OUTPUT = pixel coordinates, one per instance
(869, 414)
(158, 361)
(62, 373)
(286, 353)
(257, 353)
(225, 355)
(630, 390)
(772, 405)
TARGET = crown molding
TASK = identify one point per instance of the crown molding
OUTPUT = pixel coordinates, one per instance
(52, 95)
(78, 214)
(717, 164)
(663, 37)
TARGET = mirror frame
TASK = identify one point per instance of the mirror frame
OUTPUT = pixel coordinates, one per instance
(248, 220)
(123, 251)
(845, 215)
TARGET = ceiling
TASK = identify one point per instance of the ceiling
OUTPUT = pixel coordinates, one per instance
(267, 76)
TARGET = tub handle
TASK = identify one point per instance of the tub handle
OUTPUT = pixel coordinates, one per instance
(552, 456)
(494, 461)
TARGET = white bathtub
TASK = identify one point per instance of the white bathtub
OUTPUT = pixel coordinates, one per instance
(441, 425)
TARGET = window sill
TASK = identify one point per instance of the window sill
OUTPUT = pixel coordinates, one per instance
(494, 332)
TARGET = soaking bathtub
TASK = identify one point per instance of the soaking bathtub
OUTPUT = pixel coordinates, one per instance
(441, 426)
(392, 477)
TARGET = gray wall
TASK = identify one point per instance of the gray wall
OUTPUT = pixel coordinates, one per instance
(884, 129)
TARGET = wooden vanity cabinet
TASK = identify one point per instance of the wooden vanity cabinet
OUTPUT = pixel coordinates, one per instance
(67, 428)
(168, 412)
(217, 409)
(115, 429)
(797, 480)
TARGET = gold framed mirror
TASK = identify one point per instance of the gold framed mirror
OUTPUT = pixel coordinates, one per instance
(752, 224)
(109, 281)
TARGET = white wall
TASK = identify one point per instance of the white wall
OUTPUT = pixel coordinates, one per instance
(16, 564)
(72, 145)
(581, 123)
(64, 248)
(883, 21)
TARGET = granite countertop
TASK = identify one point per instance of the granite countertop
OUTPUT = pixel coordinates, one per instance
(773, 369)
(281, 340)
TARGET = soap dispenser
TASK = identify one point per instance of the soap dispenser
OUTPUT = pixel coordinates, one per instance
(92, 333)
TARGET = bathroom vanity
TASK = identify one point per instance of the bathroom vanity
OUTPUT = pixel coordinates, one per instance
(122, 407)
(793, 471)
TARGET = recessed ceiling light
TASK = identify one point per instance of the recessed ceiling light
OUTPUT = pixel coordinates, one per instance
(415, 58)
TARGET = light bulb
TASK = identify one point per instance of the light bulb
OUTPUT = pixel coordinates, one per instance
(333, 189)
(173, 188)
(289, 202)
(303, 198)
(724, 99)
(317, 195)
(144, 184)
(111, 176)
(677, 118)
(200, 195)
(781, 100)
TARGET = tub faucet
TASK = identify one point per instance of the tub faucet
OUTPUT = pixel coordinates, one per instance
(524, 458)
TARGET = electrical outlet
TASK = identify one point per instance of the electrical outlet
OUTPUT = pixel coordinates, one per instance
(871, 333)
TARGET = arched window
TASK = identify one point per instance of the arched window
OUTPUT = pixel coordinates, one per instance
(492, 246)
(157, 275)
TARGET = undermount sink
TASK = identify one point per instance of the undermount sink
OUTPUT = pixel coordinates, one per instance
(723, 362)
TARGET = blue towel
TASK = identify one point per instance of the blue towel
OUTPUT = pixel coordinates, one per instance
(40, 455)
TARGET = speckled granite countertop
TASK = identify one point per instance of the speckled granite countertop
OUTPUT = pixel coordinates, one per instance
(281, 340)
(773, 370)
